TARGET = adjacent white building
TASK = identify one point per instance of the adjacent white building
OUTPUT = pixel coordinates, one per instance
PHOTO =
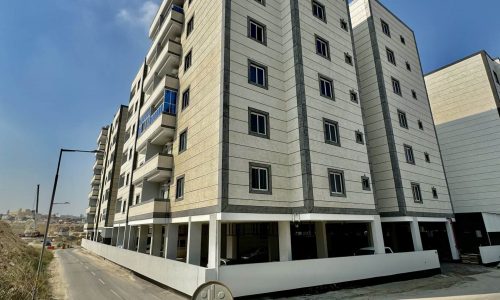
(465, 100)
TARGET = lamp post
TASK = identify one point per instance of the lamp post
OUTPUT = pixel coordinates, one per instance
(50, 211)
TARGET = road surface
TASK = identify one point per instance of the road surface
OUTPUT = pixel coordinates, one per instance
(85, 277)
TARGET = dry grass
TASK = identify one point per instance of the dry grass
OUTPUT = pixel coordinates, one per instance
(18, 265)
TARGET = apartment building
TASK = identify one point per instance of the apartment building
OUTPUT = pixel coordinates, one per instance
(250, 162)
(95, 183)
(409, 182)
(465, 100)
(110, 177)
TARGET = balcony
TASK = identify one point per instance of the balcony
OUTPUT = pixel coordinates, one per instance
(148, 209)
(157, 90)
(157, 125)
(88, 226)
(102, 136)
(96, 179)
(164, 60)
(156, 169)
(98, 164)
(93, 193)
(168, 11)
(90, 210)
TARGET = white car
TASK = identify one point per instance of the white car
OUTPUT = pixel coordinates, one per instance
(371, 251)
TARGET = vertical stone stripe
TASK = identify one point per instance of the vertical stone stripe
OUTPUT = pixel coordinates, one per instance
(225, 105)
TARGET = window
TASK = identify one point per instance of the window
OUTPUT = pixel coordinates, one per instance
(337, 184)
(420, 125)
(260, 182)
(258, 123)
(322, 48)
(187, 61)
(385, 28)
(331, 132)
(408, 66)
(365, 183)
(256, 31)
(325, 87)
(403, 41)
(496, 77)
(126, 180)
(403, 122)
(414, 94)
(409, 154)
(417, 194)
(348, 58)
(263, 2)
(185, 99)
(179, 188)
(396, 86)
(390, 56)
(343, 25)
(427, 157)
(360, 139)
(319, 11)
(434, 193)
(354, 96)
(190, 26)
(257, 74)
(183, 141)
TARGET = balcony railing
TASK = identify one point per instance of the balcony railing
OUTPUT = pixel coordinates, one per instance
(163, 16)
(167, 106)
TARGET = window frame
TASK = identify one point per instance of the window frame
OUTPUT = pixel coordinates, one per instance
(186, 60)
(258, 66)
(427, 157)
(343, 186)
(408, 66)
(329, 81)
(179, 194)
(258, 24)
(315, 2)
(416, 192)
(251, 189)
(181, 135)
(385, 25)
(420, 125)
(363, 180)
(267, 126)
(390, 53)
(327, 44)
(414, 94)
(261, 2)
(190, 26)
(395, 81)
(348, 59)
(402, 117)
(337, 132)
(344, 25)
(402, 39)
(434, 192)
(359, 133)
(185, 104)
(408, 150)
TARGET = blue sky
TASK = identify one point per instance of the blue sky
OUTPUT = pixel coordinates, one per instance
(66, 66)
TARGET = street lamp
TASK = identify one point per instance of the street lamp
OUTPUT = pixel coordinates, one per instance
(50, 211)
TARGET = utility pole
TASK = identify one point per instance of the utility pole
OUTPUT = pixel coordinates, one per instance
(36, 205)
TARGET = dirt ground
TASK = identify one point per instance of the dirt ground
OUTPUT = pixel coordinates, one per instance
(457, 281)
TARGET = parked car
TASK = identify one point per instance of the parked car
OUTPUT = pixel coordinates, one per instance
(257, 255)
(371, 251)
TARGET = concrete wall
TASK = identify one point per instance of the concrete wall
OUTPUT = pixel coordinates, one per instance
(278, 276)
(490, 254)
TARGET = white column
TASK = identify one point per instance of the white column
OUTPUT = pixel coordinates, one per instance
(156, 240)
(377, 236)
(171, 238)
(132, 238)
(321, 243)
(143, 238)
(114, 236)
(285, 241)
(126, 233)
(214, 230)
(451, 238)
(194, 243)
(415, 235)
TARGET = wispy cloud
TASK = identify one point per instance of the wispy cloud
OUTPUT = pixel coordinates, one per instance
(141, 16)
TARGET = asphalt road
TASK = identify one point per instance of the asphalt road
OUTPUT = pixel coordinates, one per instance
(85, 277)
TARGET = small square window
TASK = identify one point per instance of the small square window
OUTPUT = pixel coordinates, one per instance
(319, 11)
(344, 25)
(414, 94)
(348, 58)
(427, 157)
(385, 28)
(434, 193)
(187, 61)
(337, 183)
(258, 123)
(365, 183)
(420, 125)
(417, 194)
(360, 139)
(403, 41)
(390, 56)
(257, 74)
(331, 132)
(396, 87)
(190, 26)
(496, 77)
(408, 66)
(179, 188)
(183, 141)
(260, 178)
(256, 31)
(354, 96)
(185, 99)
(409, 154)
(326, 87)
(263, 2)
(322, 47)
(403, 122)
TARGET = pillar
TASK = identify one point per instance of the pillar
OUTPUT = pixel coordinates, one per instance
(285, 241)
(377, 236)
(114, 236)
(171, 237)
(415, 235)
(132, 238)
(143, 238)
(194, 243)
(119, 237)
(451, 238)
(321, 244)
(126, 233)
(156, 240)
(214, 230)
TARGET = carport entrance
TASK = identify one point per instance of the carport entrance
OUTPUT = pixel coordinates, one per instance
(435, 237)
(398, 237)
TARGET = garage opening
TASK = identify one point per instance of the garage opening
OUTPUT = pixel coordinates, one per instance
(435, 237)
(348, 239)
(397, 236)
(303, 237)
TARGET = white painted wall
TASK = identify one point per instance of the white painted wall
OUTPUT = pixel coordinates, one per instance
(490, 254)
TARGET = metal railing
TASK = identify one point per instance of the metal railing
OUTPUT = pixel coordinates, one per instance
(167, 106)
